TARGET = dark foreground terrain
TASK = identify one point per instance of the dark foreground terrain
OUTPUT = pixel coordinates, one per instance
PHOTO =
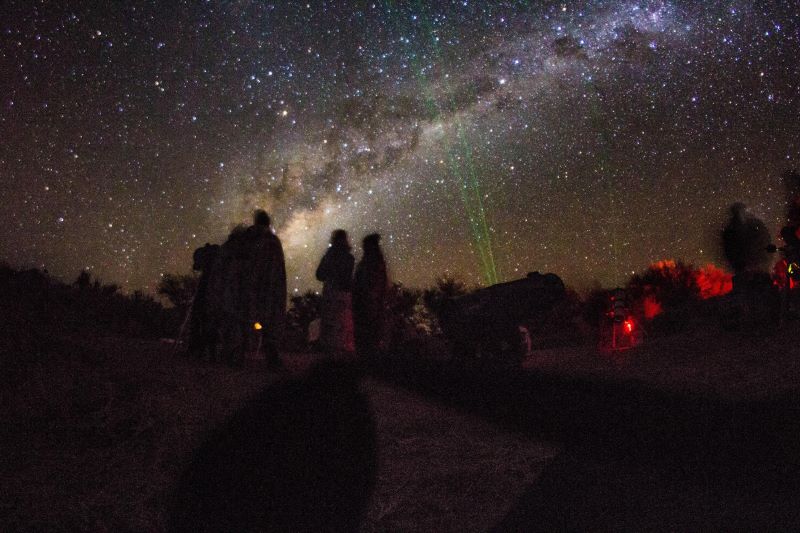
(690, 432)
(110, 434)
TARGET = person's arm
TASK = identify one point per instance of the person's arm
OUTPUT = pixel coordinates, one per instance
(348, 274)
(280, 281)
(280, 291)
(382, 283)
(323, 268)
(358, 280)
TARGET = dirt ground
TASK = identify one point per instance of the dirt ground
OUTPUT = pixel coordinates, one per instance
(104, 434)
(731, 365)
(442, 470)
(97, 439)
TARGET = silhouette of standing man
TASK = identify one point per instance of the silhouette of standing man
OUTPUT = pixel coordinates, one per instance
(265, 299)
(370, 287)
(203, 333)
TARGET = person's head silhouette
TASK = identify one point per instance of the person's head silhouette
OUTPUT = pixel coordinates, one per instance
(371, 242)
(339, 239)
(261, 218)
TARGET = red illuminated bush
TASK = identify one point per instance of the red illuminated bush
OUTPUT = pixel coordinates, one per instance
(669, 285)
(713, 281)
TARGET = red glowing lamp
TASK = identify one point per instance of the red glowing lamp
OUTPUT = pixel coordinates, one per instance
(627, 326)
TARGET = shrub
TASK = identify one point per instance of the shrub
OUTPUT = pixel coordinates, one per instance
(447, 286)
(178, 289)
(303, 310)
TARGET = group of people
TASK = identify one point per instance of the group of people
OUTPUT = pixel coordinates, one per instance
(240, 303)
(353, 303)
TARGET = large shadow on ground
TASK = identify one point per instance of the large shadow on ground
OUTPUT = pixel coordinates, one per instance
(301, 456)
(634, 458)
(590, 492)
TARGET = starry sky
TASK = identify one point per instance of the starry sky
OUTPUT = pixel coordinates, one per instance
(481, 139)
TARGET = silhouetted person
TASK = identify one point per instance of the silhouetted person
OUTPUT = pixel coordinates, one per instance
(203, 331)
(300, 456)
(791, 243)
(745, 241)
(790, 251)
(266, 296)
(786, 272)
(335, 271)
(249, 291)
(225, 295)
(265, 282)
(370, 289)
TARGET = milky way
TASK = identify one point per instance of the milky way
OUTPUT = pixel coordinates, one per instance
(483, 140)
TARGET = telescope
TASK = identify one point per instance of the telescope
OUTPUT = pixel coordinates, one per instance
(495, 322)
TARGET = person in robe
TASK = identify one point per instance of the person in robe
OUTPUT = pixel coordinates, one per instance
(265, 291)
(335, 271)
(370, 289)
(202, 332)
(249, 292)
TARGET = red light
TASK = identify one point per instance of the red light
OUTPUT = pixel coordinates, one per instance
(628, 326)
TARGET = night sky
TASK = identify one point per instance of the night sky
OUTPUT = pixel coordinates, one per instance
(481, 139)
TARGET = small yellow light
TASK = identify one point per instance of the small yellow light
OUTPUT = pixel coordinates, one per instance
(257, 326)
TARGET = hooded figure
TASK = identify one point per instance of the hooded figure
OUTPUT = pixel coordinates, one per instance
(267, 285)
(370, 288)
(250, 291)
(745, 240)
(335, 271)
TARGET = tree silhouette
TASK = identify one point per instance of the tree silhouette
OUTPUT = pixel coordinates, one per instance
(303, 310)
(671, 283)
(179, 289)
(447, 286)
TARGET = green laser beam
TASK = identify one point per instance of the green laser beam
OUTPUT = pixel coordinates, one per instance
(459, 153)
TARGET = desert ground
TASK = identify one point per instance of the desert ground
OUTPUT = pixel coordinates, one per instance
(692, 431)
